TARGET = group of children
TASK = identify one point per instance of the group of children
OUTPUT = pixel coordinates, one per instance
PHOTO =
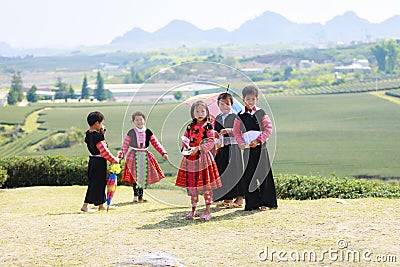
(221, 174)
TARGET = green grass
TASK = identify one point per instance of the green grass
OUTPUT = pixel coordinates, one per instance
(349, 134)
(354, 87)
(42, 226)
(16, 115)
(20, 146)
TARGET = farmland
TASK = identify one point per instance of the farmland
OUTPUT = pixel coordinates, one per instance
(344, 134)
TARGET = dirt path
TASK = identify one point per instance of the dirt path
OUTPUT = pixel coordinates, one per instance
(382, 95)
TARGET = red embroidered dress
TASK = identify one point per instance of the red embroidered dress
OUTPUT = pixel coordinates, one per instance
(141, 166)
(199, 172)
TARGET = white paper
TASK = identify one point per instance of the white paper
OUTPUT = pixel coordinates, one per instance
(219, 141)
(250, 136)
(187, 152)
(185, 140)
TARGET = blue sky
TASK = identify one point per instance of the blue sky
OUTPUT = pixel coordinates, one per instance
(39, 23)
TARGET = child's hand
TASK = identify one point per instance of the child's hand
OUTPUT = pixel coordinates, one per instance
(226, 131)
(254, 143)
(242, 146)
(194, 150)
(165, 156)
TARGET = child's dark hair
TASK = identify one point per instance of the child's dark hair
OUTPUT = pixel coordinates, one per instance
(138, 113)
(250, 90)
(93, 117)
(199, 103)
(227, 96)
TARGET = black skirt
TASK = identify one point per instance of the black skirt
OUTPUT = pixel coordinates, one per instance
(97, 174)
(258, 180)
(230, 168)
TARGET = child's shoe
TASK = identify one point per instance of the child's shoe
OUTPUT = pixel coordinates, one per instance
(205, 217)
(135, 200)
(191, 215)
(142, 200)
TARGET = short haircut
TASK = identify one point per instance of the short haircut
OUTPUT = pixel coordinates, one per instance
(93, 117)
(138, 113)
(199, 103)
(250, 90)
(225, 96)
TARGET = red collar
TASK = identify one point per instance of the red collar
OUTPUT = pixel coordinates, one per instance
(249, 110)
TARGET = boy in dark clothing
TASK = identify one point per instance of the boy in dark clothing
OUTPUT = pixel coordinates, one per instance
(258, 181)
(97, 167)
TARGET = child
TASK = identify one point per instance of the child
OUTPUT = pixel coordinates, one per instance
(229, 157)
(141, 167)
(198, 171)
(97, 167)
(257, 178)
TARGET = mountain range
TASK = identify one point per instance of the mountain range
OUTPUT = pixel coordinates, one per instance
(269, 27)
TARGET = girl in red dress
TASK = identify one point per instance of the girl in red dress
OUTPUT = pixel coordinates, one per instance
(141, 167)
(198, 170)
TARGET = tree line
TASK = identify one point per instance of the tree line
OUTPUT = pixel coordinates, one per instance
(384, 53)
(62, 91)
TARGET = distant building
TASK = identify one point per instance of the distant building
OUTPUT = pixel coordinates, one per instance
(252, 71)
(109, 67)
(306, 63)
(358, 65)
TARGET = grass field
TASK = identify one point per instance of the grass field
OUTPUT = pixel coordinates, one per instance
(42, 226)
(355, 135)
(349, 135)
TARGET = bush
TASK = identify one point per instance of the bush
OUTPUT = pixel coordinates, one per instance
(3, 175)
(59, 171)
(44, 170)
(315, 187)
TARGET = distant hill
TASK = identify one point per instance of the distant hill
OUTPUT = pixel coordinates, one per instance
(269, 27)
(5, 49)
(175, 33)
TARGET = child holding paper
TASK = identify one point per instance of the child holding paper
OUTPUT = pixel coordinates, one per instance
(198, 171)
(255, 125)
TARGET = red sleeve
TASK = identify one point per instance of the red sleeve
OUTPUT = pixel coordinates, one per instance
(208, 144)
(125, 145)
(237, 132)
(266, 122)
(156, 144)
(105, 153)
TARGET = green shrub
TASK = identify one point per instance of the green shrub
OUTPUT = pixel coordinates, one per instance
(44, 170)
(315, 187)
(59, 170)
(3, 175)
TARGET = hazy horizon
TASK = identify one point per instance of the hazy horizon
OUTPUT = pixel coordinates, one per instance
(71, 23)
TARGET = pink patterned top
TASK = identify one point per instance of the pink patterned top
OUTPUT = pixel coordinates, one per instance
(265, 133)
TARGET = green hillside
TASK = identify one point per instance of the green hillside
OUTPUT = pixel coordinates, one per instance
(346, 134)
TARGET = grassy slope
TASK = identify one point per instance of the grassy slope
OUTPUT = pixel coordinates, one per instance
(354, 134)
(42, 226)
(346, 134)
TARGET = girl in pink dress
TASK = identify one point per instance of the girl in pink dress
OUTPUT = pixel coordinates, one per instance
(198, 170)
(141, 167)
